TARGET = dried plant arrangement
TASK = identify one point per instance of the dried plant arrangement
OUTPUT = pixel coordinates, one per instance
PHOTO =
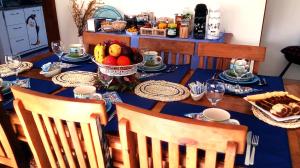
(81, 15)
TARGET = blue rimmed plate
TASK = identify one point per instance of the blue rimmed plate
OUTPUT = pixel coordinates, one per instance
(251, 81)
(67, 58)
(152, 69)
(6, 87)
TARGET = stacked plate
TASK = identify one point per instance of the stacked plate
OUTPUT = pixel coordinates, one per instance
(229, 76)
(156, 68)
(81, 58)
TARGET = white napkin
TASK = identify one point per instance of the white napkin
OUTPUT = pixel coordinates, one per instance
(46, 67)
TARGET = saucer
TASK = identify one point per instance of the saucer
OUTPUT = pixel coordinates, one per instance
(152, 69)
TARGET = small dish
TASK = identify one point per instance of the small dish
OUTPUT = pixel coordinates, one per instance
(51, 73)
(196, 97)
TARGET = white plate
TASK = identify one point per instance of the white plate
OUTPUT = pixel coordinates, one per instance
(280, 119)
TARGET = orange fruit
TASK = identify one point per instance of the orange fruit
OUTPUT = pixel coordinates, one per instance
(123, 60)
(110, 60)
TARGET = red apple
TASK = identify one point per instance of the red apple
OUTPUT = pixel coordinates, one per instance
(110, 60)
(123, 60)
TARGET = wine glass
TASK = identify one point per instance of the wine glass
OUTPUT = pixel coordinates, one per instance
(14, 63)
(215, 90)
(58, 49)
(105, 79)
(240, 68)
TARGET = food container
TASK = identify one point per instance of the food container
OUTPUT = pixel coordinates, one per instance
(172, 30)
(119, 25)
(184, 30)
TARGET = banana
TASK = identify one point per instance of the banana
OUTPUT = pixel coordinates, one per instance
(99, 53)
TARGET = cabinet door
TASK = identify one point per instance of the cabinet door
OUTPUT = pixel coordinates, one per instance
(36, 27)
(13, 17)
(19, 44)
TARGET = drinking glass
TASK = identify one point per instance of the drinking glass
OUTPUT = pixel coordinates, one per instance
(215, 90)
(105, 79)
(14, 63)
(241, 68)
(57, 48)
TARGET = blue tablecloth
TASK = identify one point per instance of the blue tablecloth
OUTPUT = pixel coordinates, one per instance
(274, 83)
(175, 76)
(273, 148)
(83, 66)
(36, 85)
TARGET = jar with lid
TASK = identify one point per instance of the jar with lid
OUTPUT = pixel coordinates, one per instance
(184, 30)
(172, 30)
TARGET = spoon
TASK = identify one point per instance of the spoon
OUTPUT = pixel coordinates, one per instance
(260, 82)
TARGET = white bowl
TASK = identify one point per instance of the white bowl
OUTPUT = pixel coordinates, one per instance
(197, 97)
(216, 114)
(51, 73)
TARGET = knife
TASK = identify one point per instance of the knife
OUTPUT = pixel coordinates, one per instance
(247, 158)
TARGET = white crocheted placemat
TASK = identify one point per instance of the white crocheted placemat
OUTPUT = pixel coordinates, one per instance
(5, 71)
(75, 78)
(162, 91)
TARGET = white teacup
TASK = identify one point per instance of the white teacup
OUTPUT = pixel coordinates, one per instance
(86, 92)
(151, 58)
(219, 115)
(76, 50)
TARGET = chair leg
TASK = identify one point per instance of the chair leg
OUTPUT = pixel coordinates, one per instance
(285, 69)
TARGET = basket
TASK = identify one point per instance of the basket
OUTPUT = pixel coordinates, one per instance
(153, 32)
(117, 70)
(119, 25)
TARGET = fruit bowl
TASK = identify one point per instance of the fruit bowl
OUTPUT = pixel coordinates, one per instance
(117, 70)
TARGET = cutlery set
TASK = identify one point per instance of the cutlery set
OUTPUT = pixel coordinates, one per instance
(252, 140)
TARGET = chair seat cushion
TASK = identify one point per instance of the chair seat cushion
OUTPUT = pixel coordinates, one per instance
(292, 54)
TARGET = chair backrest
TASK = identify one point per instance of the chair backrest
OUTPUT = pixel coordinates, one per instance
(90, 40)
(223, 53)
(211, 137)
(174, 51)
(61, 132)
(7, 153)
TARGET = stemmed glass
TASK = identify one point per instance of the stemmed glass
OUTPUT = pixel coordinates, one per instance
(241, 68)
(58, 49)
(14, 63)
(105, 79)
(215, 90)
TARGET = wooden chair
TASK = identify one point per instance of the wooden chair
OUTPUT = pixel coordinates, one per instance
(61, 132)
(223, 53)
(211, 137)
(90, 40)
(184, 49)
(8, 150)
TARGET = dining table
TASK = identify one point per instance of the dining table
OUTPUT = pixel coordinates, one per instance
(278, 147)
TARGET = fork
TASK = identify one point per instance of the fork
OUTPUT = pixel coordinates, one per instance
(254, 143)
(111, 116)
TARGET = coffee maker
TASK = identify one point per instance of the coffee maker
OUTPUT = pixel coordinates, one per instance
(200, 21)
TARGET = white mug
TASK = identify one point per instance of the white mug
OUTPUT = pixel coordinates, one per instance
(76, 49)
(219, 115)
(86, 92)
(151, 58)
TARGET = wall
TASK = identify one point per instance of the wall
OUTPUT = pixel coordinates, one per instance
(238, 17)
(281, 29)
